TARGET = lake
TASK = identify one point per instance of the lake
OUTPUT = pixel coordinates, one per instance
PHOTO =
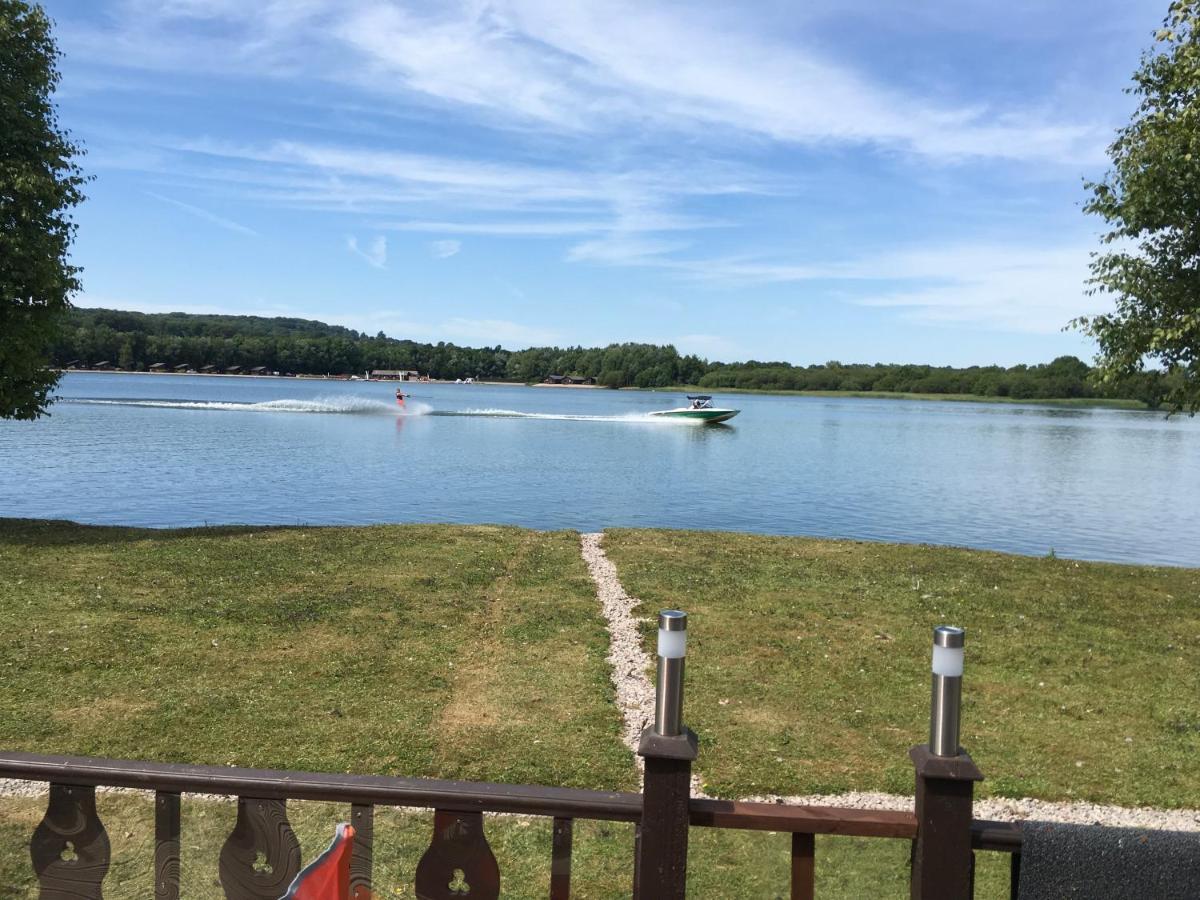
(182, 450)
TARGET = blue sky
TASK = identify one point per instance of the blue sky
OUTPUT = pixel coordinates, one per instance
(857, 180)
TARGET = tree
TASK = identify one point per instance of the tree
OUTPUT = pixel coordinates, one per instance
(1151, 202)
(39, 182)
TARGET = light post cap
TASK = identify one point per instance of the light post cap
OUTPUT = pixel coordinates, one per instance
(672, 620)
(949, 636)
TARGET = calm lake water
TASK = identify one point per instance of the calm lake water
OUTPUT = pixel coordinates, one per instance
(173, 450)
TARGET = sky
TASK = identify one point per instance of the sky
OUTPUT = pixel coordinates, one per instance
(859, 180)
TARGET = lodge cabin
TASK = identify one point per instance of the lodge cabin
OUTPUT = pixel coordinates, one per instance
(260, 370)
(104, 365)
(184, 367)
(207, 370)
(395, 375)
(234, 370)
(569, 379)
(158, 367)
(74, 364)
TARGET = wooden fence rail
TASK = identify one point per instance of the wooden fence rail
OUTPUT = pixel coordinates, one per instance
(261, 856)
(70, 848)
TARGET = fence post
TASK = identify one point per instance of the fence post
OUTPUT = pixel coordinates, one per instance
(946, 778)
(668, 748)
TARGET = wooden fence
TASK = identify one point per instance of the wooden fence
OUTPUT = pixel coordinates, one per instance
(70, 847)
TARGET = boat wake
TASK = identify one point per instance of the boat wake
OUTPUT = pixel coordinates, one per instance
(338, 405)
(363, 406)
(645, 418)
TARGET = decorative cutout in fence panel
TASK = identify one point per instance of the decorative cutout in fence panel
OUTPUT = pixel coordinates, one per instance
(69, 847)
(459, 862)
(262, 856)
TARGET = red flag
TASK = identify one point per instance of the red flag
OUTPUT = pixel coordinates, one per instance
(328, 876)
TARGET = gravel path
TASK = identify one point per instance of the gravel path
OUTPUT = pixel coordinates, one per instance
(626, 658)
(635, 694)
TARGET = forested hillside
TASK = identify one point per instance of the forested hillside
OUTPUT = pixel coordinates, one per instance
(135, 341)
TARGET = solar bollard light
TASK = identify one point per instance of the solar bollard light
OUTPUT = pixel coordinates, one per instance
(945, 783)
(946, 702)
(672, 653)
(667, 748)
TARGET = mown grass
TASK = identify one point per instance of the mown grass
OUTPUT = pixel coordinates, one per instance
(473, 652)
(478, 652)
(721, 863)
(808, 664)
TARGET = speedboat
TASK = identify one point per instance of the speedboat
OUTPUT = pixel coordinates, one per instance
(699, 409)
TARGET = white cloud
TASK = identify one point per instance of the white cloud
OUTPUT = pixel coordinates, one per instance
(1023, 289)
(622, 249)
(375, 252)
(219, 221)
(444, 249)
(1014, 287)
(546, 228)
(363, 178)
(588, 67)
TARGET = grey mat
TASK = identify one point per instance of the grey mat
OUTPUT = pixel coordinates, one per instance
(1093, 861)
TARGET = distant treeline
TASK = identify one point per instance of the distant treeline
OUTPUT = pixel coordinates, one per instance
(135, 341)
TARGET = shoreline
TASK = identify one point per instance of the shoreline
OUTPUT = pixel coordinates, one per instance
(1052, 402)
(713, 534)
(246, 375)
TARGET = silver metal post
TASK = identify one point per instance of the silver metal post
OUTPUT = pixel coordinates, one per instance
(672, 649)
(947, 690)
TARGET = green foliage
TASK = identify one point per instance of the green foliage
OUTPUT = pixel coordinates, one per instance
(1151, 203)
(1064, 378)
(39, 182)
(135, 341)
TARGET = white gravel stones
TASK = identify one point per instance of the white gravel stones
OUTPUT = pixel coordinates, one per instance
(626, 658)
(1003, 809)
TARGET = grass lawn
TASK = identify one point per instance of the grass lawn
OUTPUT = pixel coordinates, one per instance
(464, 652)
(479, 652)
(808, 664)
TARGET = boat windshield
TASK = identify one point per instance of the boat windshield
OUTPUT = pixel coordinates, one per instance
(700, 401)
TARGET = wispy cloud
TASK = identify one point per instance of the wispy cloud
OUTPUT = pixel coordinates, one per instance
(544, 228)
(375, 252)
(1026, 289)
(213, 218)
(444, 249)
(586, 67)
(624, 214)
(364, 178)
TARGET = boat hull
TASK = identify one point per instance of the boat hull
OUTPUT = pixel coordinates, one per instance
(707, 416)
